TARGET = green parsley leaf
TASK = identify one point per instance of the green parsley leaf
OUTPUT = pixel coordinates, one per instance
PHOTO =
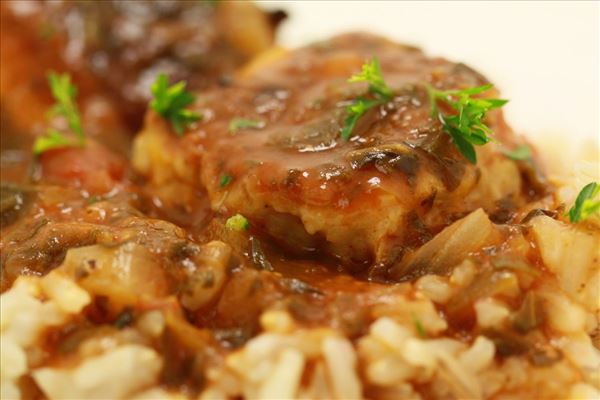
(53, 139)
(225, 180)
(521, 153)
(378, 90)
(242, 123)
(371, 73)
(64, 92)
(171, 101)
(354, 111)
(124, 319)
(419, 326)
(586, 203)
(465, 126)
(93, 199)
(237, 223)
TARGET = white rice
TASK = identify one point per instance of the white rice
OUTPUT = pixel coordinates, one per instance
(286, 361)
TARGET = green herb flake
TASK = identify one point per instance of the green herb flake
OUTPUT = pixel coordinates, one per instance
(237, 223)
(170, 102)
(124, 319)
(242, 123)
(378, 90)
(93, 199)
(419, 326)
(64, 93)
(521, 153)
(586, 203)
(53, 139)
(465, 126)
(225, 180)
(354, 112)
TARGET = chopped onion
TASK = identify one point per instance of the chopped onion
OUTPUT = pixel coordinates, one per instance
(573, 254)
(205, 283)
(125, 274)
(448, 248)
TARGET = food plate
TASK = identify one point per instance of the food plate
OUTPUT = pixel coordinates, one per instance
(191, 211)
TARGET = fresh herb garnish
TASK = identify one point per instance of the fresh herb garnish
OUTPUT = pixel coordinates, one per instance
(225, 180)
(64, 92)
(124, 319)
(378, 90)
(242, 123)
(521, 153)
(465, 126)
(371, 73)
(93, 199)
(53, 139)
(586, 203)
(237, 223)
(419, 326)
(171, 102)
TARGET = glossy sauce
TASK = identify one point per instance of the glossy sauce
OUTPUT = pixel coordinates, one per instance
(390, 190)
(295, 167)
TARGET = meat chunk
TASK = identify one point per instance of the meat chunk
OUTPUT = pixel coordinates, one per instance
(395, 183)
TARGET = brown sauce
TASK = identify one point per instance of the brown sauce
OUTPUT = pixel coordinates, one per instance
(323, 235)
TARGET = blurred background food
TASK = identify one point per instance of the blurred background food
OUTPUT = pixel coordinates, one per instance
(114, 50)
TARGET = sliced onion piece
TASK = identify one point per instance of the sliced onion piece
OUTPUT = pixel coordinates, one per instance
(125, 274)
(448, 248)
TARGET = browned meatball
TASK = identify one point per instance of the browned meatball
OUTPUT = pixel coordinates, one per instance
(394, 184)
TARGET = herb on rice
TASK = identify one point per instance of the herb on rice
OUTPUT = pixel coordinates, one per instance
(93, 199)
(586, 204)
(419, 326)
(124, 319)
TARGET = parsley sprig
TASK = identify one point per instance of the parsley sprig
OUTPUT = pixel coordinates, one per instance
(225, 180)
(371, 73)
(171, 102)
(419, 326)
(378, 90)
(64, 93)
(465, 126)
(586, 203)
